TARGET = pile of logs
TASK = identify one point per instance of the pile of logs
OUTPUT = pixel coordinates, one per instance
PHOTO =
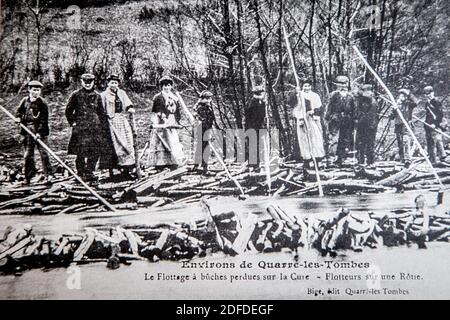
(185, 185)
(228, 232)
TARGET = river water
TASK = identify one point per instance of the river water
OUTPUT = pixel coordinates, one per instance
(397, 265)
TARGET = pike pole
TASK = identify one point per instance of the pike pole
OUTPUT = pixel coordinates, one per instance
(422, 121)
(219, 158)
(301, 101)
(267, 150)
(136, 152)
(407, 126)
(50, 152)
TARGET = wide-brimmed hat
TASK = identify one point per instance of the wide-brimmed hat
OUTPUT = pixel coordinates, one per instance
(206, 94)
(35, 84)
(114, 77)
(165, 79)
(87, 76)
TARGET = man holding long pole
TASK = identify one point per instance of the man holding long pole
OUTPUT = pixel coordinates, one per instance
(407, 126)
(38, 140)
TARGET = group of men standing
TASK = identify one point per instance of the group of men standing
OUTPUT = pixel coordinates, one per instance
(351, 123)
(104, 134)
(101, 131)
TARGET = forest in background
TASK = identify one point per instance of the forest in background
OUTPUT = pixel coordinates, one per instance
(226, 46)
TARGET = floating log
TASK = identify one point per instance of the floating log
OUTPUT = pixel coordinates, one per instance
(370, 174)
(248, 227)
(84, 246)
(149, 183)
(283, 186)
(22, 200)
(61, 246)
(72, 208)
(310, 175)
(16, 247)
(397, 178)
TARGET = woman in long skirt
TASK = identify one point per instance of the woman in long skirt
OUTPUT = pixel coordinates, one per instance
(118, 107)
(308, 126)
(165, 148)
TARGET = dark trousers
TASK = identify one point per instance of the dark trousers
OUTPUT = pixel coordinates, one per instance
(365, 144)
(345, 142)
(430, 144)
(86, 165)
(30, 168)
(400, 143)
(201, 145)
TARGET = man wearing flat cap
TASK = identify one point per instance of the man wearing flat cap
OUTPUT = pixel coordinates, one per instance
(255, 114)
(435, 120)
(117, 106)
(407, 103)
(367, 122)
(33, 113)
(340, 118)
(203, 112)
(86, 117)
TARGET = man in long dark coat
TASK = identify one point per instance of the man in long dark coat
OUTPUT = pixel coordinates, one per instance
(84, 112)
(341, 117)
(205, 114)
(367, 122)
(435, 119)
(255, 114)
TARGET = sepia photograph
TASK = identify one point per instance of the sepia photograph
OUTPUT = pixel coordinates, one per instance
(224, 150)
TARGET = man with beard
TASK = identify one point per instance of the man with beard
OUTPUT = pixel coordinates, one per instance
(366, 128)
(84, 112)
(341, 118)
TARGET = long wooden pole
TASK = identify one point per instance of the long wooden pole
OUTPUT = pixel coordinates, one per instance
(136, 152)
(420, 120)
(300, 99)
(397, 109)
(50, 152)
(431, 127)
(267, 149)
(226, 169)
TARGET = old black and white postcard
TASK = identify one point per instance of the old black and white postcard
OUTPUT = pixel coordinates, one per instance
(224, 149)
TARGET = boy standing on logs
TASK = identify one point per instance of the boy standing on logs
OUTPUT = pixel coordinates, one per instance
(341, 118)
(434, 119)
(33, 113)
(117, 106)
(255, 115)
(84, 112)
(406, 102)
(367, 122)
(205, 114)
